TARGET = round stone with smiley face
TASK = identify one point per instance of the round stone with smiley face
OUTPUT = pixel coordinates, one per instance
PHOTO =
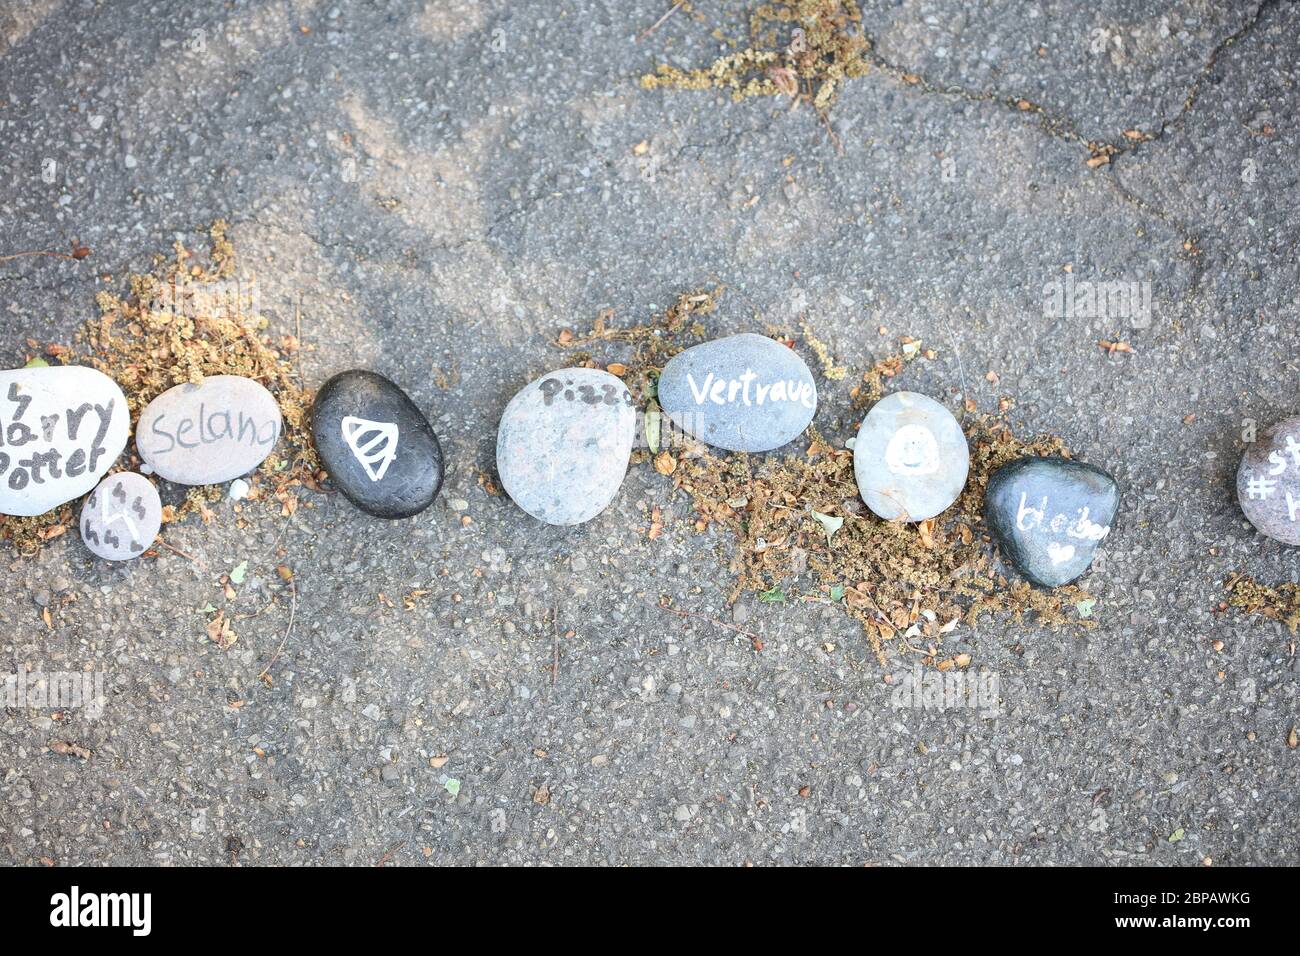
(910, 458)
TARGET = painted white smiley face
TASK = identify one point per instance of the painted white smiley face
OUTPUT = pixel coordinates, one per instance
(912, 451)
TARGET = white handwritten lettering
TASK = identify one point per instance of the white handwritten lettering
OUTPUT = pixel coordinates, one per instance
(723, 391)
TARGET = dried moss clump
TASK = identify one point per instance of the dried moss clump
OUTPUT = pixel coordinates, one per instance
(802, 49)
(180, 323)
(652, 344)
(905, 583)
(186, 321)
(1281, 603)
(909, 583)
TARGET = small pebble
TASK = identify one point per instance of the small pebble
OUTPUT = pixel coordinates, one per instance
(121, 517)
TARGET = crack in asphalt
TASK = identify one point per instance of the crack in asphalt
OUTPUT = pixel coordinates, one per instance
(1191, 239)
(1194, 91)
(1058, 127)
(1062, 127)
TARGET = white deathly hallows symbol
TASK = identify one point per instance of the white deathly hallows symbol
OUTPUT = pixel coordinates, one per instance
(375, 453)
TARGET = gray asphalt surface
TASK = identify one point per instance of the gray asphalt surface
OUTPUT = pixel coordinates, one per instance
(443, 186)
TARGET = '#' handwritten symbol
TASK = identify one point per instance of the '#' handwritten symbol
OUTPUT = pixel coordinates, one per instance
(1260, 487)
(375, 453)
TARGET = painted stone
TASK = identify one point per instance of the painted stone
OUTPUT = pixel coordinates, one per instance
(743, 393)
(376, 444)
(1268, 482)
(61, 429)
(910, 458)
(214, 431)
(1049, 515)
(564, 443)
(121, 517)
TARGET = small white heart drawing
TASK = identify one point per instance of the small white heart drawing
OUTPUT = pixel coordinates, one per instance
(1059, 553)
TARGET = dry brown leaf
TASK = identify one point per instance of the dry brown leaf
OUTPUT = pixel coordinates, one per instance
(69, 749)
(656, 524)
(785, 80)
(220, 632)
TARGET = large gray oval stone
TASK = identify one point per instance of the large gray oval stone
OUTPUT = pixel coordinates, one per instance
(564, 443)
(61, 428)
(1268, 482)
(743, 393)
(910, 458)
(121, 517)
(202, 434)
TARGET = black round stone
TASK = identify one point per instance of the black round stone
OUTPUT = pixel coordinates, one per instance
(376, 445)
(1049, 515)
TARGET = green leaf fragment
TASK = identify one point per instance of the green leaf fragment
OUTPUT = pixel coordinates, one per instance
(773, 595)
(837, 593)
(1177, 835)
(829, 524)
(653, 417)
(1085, 606)
(452, 786)
(37, 363)
(238, 572)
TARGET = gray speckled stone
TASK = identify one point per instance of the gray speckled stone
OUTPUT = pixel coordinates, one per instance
(564, 443)
(743, 393)
(202, 434)
(1049, 515)
(121, 517)
(910, 458)
(61, 428)
(1268, 482)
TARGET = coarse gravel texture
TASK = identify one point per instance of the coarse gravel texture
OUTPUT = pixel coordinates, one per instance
(440, 188)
